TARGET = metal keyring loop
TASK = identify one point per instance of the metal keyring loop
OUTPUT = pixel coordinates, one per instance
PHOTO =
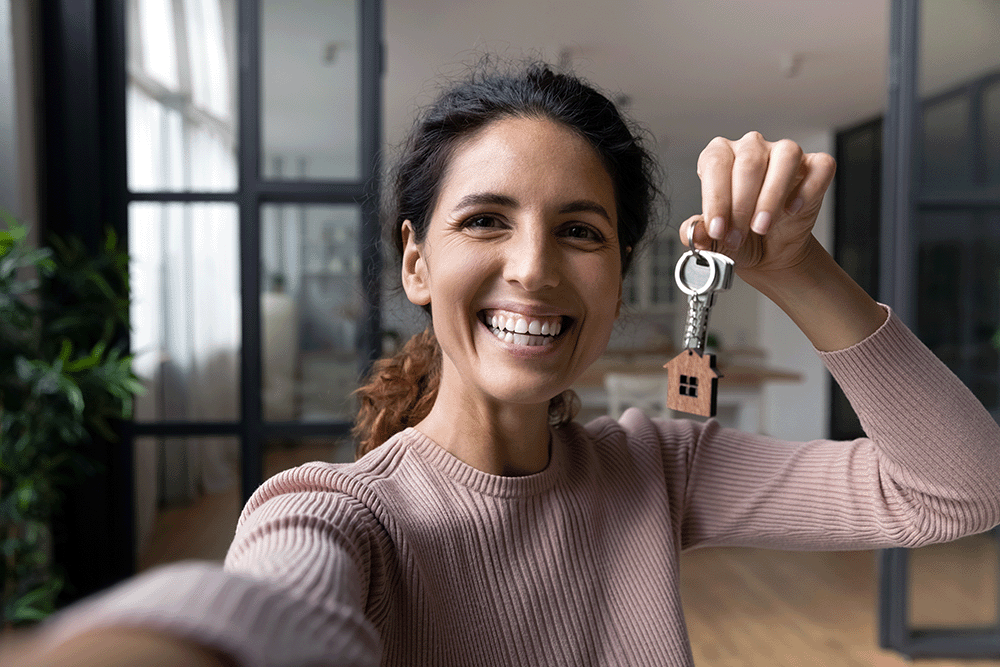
(713, 273)
(691, 247)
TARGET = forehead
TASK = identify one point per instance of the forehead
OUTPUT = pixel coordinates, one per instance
(537, 157)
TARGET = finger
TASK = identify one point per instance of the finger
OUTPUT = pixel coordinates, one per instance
(749, 169)
(715, 167)
(702, 241)
(819, 169)
(785, 172)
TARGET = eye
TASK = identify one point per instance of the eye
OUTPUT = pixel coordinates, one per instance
(482, 222)
(583, 232)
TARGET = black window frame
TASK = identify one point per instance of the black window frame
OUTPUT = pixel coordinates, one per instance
(83, 188)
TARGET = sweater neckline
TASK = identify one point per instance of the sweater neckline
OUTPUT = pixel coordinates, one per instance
(483, 482)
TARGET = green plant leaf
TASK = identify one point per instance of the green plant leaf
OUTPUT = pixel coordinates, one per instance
(66, 350)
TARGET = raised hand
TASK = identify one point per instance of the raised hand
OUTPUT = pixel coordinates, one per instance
(760, 200)
(759, 205)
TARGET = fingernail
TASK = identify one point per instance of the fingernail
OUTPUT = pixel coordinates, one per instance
(716, 228)
(796, 205)
(761, 223)
(734, 238)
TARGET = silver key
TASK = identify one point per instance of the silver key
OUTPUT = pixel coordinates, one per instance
(700, 274)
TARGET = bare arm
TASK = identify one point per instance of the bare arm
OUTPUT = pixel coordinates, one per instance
(109, 647)
(824, 302)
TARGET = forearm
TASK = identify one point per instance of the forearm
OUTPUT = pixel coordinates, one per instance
(821, 299)
(109, 647)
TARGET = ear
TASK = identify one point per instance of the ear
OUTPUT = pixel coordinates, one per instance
(414, 270)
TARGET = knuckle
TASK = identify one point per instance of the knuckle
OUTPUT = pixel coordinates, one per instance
(718, 149)
(788, 147)
(825, 161)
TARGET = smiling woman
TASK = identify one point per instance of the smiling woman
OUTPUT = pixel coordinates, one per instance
(478, 176)
(481, 524)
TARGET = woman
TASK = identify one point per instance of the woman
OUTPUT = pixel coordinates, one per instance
(481, 526)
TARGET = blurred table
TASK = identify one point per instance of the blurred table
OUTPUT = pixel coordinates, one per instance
(616, 382)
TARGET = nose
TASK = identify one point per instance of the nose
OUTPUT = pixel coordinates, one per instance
(532, 260)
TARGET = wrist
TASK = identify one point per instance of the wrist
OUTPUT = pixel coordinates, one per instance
(821, 299)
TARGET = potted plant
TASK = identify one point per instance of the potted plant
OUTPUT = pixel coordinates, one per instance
(64, 379)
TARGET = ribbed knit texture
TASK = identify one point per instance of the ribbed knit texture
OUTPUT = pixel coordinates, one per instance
(411, 557)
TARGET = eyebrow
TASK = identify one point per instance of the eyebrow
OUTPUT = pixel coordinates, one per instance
(586, 206)
(495, 199)
(486, 199)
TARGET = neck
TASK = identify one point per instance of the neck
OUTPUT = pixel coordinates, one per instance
(497, 439)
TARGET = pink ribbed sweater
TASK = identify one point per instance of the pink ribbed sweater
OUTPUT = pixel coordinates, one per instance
(411, 557)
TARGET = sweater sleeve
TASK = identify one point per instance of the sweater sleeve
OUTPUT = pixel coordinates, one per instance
(292, 591)
(928, 470)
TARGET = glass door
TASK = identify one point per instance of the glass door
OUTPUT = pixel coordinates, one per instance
(942, 236)
(251, 132)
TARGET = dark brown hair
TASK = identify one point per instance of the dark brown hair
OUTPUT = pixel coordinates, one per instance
(400, 391)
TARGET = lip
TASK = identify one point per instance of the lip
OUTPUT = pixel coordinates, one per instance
(531, 311)
(528, 312)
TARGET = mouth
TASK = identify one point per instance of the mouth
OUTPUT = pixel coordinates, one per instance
(524, 330)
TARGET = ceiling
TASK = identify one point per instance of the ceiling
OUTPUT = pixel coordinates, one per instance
(692, 69)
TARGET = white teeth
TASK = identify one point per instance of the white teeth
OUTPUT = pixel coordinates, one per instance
(525, 331)
(526, 340)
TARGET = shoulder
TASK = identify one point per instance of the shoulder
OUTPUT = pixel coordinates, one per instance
(637, 429)
(665, 443)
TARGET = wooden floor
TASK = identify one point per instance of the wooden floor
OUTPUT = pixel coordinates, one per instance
(744, 607)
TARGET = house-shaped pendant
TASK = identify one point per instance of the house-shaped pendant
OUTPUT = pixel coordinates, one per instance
(694, 383)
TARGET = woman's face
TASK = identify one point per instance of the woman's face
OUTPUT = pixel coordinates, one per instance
(520, 264)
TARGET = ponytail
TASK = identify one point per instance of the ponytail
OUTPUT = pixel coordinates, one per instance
(399, 393)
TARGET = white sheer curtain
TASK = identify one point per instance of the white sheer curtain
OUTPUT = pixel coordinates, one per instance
(184, 256)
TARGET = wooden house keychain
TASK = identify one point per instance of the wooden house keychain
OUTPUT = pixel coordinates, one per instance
(692, 376)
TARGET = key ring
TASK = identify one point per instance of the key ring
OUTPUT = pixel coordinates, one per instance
(691, 247)
(706, 288)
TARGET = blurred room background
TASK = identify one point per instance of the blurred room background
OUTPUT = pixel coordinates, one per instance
(237, 144)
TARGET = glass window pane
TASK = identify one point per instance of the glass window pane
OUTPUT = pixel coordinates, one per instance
(309, 310)
(156, 31)
(187, 498)
(958, 280)
(185, 311)
(959, 42)
(947, 154)
(310, 69)
(181, 128)
(991, 133)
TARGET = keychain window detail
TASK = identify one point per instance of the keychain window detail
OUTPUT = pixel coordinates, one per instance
(689, 386)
